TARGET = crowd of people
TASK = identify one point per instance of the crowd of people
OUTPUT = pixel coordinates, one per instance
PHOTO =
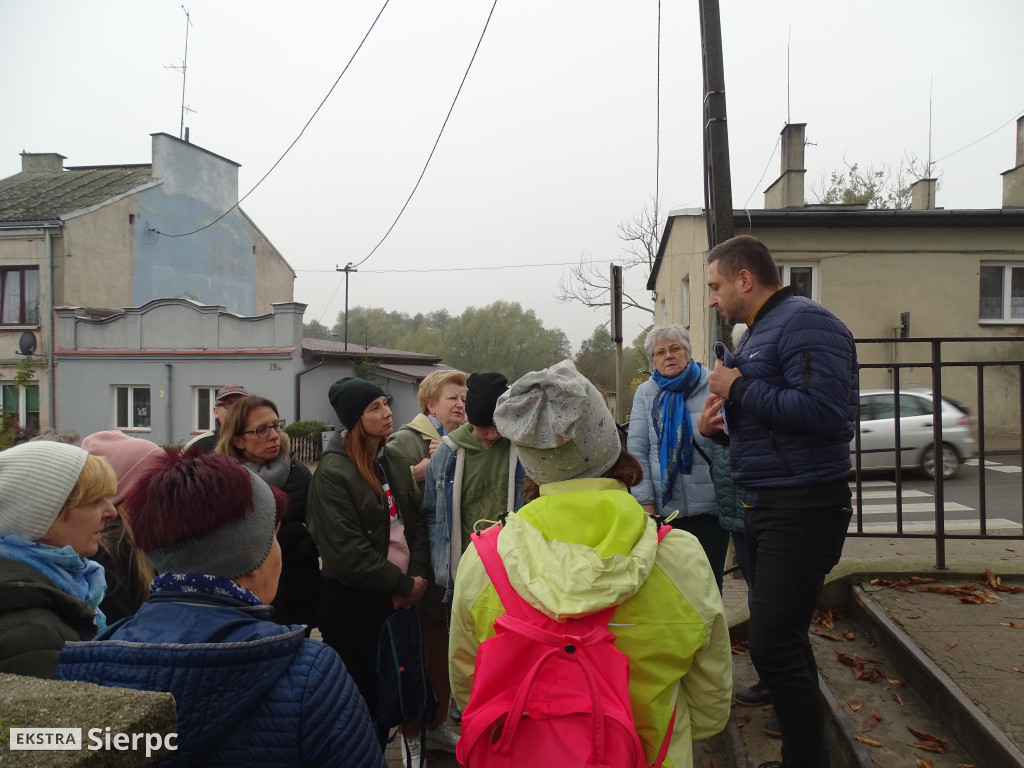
(202, 571)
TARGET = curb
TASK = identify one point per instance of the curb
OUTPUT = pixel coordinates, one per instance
(971, 727)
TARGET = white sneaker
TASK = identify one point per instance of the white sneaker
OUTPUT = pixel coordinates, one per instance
(414, 753)
(443, 738)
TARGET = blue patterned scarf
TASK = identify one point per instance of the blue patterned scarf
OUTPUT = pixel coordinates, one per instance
(672, 425)
(71, 573)
(202, 584)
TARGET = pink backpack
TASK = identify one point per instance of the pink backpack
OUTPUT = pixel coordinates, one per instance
(548, 692)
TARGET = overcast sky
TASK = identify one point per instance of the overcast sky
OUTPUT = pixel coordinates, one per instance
(552, 142)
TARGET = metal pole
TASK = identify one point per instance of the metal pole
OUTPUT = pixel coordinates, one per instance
(616, 326)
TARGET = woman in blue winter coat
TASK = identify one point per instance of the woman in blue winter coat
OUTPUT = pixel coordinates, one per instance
(675, 457)
(248, 691)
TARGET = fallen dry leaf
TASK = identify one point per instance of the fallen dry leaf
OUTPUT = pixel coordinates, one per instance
(706, 748)
(1018, 669)
(894, 681)
(855, 704)
(913, 617)
(740, 647)
(877, 715)
(1013, 624)
(869, 723)
(826, 635)
(849, 635)
(951, 646)
(898, 699)
(923, 762)
(928, 742)
(742, 720)
(869, 742)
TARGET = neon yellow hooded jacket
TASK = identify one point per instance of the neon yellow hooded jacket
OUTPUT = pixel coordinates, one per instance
(587, 544)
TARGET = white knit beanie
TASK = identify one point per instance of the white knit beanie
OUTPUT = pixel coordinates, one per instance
(35, 482)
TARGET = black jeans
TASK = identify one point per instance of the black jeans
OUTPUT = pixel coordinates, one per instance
(789, 552)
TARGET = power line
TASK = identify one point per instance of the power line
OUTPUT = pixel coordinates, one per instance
(436, 141)
(764, 172)
(968, 146)
(315, 113)
(466, 269)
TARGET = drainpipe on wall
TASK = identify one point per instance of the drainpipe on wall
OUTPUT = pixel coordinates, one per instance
(167, 394)
(298, 388)
(52, 395)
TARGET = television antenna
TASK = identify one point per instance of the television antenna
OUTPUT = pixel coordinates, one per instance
(183, 68)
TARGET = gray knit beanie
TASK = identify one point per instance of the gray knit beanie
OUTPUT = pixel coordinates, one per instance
(559, 424)
(35, 482)
(234, 549)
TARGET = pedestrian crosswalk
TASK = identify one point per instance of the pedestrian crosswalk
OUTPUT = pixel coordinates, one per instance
(878, 500)
(995, 466)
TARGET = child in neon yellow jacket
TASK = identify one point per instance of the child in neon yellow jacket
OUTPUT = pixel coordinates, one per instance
(583, 544)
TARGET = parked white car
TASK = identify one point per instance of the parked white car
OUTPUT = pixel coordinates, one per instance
(878, 432)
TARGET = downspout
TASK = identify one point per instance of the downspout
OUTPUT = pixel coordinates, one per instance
(52, 395)
(298, 388)
(167, 393)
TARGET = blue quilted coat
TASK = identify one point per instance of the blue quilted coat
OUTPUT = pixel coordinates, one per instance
(798, 397)
(249, 692)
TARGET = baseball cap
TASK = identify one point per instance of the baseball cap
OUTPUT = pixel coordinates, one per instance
(230, 391)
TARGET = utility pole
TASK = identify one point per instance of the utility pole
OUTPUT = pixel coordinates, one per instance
(616, 328)
(717, 177)
(346, 269)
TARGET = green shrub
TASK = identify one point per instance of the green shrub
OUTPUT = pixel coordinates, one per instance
(308, 429)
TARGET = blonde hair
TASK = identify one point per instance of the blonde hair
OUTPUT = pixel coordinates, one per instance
(95, 481)
(434, 382)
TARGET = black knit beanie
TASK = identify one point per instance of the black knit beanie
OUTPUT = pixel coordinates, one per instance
(350, 396)
(482, 393)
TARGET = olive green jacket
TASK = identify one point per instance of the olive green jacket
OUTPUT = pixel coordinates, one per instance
(350, 524)
(36, 619)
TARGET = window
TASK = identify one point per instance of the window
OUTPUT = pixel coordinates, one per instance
(684, 302)
(802, 277)
(205, 400)
(19, 296)
(132, 408)
(1001, 293)
(23, 402)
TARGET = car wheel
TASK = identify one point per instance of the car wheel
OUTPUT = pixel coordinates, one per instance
(950, 462)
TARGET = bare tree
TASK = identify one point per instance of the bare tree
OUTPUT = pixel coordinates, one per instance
(588, 284)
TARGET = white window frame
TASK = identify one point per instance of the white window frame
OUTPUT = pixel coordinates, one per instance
(684, 302)
(785, 270)
(23, 401)
(197, 408)
(1007, 317)
(131, 426)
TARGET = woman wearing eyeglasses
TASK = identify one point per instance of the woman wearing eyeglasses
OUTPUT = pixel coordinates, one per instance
(253, 433)
(676, 458)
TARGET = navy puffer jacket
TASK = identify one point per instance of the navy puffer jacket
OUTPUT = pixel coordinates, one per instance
(792, 415)
(249, 692)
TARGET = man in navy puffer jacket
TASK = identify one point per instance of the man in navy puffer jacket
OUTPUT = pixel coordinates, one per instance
(788, 403)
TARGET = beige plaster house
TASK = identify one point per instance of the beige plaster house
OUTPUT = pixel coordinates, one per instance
(122, 236)
(958, 273)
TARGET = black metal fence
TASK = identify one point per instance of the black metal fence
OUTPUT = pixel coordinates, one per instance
(933, 360)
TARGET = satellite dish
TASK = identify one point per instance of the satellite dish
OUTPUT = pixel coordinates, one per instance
(27, 343)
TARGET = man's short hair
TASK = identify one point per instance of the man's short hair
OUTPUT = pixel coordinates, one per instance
(431, 386)
(749, 253)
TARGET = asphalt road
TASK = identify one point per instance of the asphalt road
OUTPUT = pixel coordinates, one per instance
(963, 499)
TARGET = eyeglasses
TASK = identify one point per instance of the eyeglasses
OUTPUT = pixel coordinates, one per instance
(264, 429)
(675, 349)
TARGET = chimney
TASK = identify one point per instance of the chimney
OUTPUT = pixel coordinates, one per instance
(787, 191)
(42, 162)
(1013, 179)
(922, 195)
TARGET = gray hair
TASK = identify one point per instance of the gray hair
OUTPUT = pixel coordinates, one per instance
(670, 331)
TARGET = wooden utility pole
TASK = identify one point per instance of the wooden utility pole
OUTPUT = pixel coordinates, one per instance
(717, 177)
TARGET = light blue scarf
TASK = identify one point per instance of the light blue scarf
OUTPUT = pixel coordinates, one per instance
(71, 573)
(672, 425)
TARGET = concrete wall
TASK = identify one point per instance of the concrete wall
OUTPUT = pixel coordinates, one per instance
(99, 257)
(314, 386)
